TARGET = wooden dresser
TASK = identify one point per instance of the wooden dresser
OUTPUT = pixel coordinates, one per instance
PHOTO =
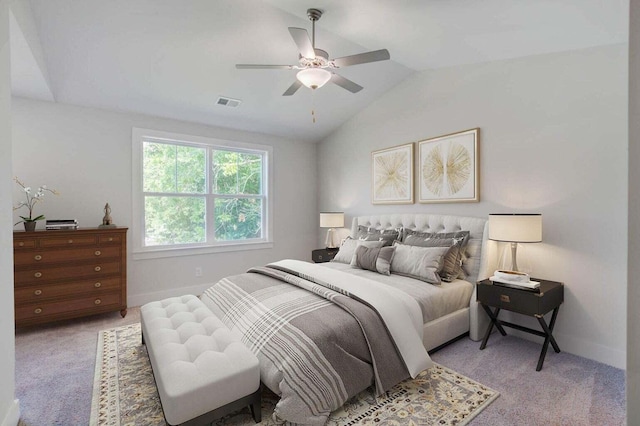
(69, 274)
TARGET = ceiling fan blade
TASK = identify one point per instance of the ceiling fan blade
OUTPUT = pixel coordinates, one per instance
(345, 83)
(302, 40)
(265, 67)
(293, 88)
(363, 58)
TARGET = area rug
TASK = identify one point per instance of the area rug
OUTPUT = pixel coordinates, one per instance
(124, 393)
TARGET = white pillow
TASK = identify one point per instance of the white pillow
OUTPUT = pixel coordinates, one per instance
(348, 249)
(422, 263)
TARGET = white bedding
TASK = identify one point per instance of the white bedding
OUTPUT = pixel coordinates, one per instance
(435, 301)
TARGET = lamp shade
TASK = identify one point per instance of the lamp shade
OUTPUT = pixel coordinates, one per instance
(331, 220)
(313, 78)
(515, 227)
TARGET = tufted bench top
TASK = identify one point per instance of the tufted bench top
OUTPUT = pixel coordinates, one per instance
(198, 364)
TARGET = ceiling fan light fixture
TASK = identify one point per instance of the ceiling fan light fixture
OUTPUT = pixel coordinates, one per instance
(314, 78)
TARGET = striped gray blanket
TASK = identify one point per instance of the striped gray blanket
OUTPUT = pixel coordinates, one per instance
(317, 346)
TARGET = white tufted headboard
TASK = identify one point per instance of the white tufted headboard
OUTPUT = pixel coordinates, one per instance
(477, 227)
(478, 263)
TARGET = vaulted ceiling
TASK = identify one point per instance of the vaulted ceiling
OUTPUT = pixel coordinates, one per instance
(174, 58)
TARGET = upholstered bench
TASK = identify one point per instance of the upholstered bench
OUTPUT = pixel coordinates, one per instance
(202, 371)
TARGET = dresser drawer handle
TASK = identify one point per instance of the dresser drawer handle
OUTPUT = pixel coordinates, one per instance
(110, 238)
(37, 274)
(504, 298)
(97, 253)
(37, 311)
(97, 269)
(21, 244)
(37, 257)
(70, 241)
(37, 292)
(97, 301)
(97, 285)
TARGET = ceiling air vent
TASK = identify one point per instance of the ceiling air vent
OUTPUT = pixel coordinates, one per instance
(228, 102)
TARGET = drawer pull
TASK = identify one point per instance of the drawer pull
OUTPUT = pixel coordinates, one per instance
(37, 257)
(37, 311)
(97, 285)
(97, 269)
(21, 244)
(37, 274)
(97, 301)
(37, 292)
(70, 241)
(110, 238)
(97, 253)
(504, 298)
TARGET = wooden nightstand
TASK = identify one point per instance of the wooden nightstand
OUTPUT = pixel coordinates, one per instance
(324, 255)
(525, 302)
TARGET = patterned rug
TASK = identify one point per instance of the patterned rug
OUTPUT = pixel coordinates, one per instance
(124, 393)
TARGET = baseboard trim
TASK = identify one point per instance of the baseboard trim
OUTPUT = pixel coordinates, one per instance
(604, 354)
(13, 414)
(141, 299)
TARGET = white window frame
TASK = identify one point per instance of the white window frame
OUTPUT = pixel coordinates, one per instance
(140, 251)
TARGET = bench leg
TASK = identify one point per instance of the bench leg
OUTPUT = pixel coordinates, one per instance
(256, 405)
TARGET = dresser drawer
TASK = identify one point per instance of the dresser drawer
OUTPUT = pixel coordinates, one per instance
(68, 240)
(23, 243)
(110, 239)
(34, 276)
(35, 311)
(34, 294)
(36, 257)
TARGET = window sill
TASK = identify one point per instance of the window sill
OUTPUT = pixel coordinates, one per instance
(193, 251)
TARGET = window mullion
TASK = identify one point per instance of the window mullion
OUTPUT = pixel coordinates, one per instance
(210, 200)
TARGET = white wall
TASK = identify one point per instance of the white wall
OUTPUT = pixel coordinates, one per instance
(85, 154)
(633, 315)
(553, 140)
(9, 407)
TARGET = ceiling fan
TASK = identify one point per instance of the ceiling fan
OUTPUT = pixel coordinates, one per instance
(316, 69)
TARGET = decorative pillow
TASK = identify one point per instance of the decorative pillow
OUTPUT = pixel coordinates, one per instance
(388, 236)
(348, 249)
(374, 259)
(456, 241)
(422, 263)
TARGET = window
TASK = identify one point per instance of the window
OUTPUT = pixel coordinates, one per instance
(195, 194)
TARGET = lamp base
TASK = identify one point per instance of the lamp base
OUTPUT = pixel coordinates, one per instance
(329, 240)
(513, 257)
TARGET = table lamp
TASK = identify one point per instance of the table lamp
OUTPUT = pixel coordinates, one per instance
(515, 228)
(331, 220)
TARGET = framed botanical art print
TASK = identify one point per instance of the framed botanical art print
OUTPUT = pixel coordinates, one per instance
(448, 168)
(392, 175)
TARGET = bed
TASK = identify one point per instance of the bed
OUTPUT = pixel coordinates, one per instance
(325, 332)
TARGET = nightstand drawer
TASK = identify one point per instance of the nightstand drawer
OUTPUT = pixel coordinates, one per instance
(323, 255)
(508, 298)
(522, 301)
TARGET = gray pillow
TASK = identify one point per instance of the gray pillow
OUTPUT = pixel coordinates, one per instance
(374, 259)
(348, 249)
(388, 236)
(422, 263)
(456, 241)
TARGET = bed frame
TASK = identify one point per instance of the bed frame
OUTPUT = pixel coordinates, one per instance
(479, 263)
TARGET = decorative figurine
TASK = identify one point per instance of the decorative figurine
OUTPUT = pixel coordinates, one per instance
(107, 221)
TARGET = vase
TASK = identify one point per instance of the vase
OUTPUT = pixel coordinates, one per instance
(30, 226)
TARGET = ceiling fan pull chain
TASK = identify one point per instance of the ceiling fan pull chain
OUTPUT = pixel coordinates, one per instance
(313, 109)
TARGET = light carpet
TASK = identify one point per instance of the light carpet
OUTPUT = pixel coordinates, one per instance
(125, 393)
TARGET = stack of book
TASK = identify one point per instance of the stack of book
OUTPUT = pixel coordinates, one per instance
(61, 224)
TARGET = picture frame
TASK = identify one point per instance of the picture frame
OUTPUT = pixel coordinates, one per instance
(449, 168)
(392, 175)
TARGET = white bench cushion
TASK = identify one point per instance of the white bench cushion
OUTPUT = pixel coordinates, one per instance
(197, 363)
